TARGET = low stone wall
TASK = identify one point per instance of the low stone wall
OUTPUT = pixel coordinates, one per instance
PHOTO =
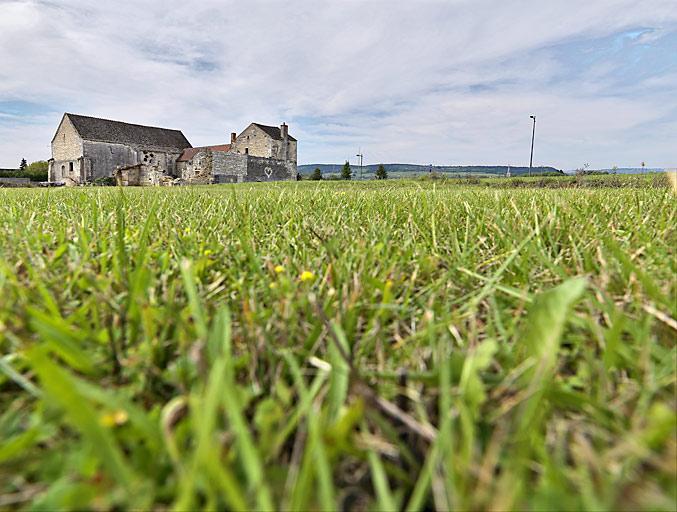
(15, 181)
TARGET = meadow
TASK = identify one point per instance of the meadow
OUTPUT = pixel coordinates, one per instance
(397, 345)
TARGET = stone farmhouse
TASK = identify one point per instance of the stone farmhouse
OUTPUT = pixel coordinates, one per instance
(85, 149)
(259, 153)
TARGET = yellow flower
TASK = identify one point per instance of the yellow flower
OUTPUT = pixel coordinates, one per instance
(113, 418)
(279, 269)
(208, 252)
(272, 286)
(306, 275)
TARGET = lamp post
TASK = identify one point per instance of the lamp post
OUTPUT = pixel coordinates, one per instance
(533, 136)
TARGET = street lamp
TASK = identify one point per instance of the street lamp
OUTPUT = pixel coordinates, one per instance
(533, 135)
(361, 157)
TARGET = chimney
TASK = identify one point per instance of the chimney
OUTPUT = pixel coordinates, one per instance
(233, 136)
(284, 133)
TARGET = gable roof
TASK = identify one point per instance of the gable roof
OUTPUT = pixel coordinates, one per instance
(105, 130)
(273, 131)
(189, 153)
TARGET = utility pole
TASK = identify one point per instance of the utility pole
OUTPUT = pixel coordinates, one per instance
(533, 136)
(361, 157)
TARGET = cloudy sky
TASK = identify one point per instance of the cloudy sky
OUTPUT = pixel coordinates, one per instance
(442, 82)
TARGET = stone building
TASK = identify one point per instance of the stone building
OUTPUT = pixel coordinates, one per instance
(87, 148)
(259, 153)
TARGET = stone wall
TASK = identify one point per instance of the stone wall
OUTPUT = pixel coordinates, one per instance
(267, 169)
(67, 144)
(291, 153)
(140, 175)
(66, 162)
(200, 164)
(229, 167)
(69, 171)
(103, 158)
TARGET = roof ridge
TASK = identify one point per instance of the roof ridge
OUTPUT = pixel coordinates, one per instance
(266, 125)
(123, 122)
(273, 131)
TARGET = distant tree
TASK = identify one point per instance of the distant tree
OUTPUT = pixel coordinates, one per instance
(317, 174)
(39, 166)
(381, 173)
(614, 169)
(346, 172)
(23, 164)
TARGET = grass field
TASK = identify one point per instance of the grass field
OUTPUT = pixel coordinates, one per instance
(394, 345)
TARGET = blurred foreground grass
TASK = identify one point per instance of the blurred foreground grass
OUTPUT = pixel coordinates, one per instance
(301, 346)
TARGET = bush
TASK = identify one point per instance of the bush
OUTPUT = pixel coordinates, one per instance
(37, 171)
(108, 181)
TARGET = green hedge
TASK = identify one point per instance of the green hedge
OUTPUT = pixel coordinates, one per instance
(37, 171)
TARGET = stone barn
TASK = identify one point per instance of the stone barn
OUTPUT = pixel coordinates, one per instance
(87, 148)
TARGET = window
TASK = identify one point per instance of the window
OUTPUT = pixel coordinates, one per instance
(70, 167)
(63, 170)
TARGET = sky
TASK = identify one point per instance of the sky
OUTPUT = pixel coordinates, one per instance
(420, 81)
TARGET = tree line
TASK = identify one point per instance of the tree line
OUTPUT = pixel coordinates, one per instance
(347, 173)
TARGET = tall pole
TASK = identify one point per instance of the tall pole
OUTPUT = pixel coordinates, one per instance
(533, 136)
(361, 157)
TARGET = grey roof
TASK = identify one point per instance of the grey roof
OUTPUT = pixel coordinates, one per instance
(104, 130)
(273, 131)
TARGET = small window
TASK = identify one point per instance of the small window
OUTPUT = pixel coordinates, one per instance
(246, 151)
(70, 167)
(63, 170)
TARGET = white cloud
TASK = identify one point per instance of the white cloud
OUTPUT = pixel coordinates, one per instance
(418, 81)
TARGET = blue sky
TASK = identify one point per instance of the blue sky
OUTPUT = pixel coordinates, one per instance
(423, 81)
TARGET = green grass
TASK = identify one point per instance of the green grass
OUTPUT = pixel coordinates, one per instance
(395, 345)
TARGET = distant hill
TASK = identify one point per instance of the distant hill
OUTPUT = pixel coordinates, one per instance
(626, 170)
(399, 170)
